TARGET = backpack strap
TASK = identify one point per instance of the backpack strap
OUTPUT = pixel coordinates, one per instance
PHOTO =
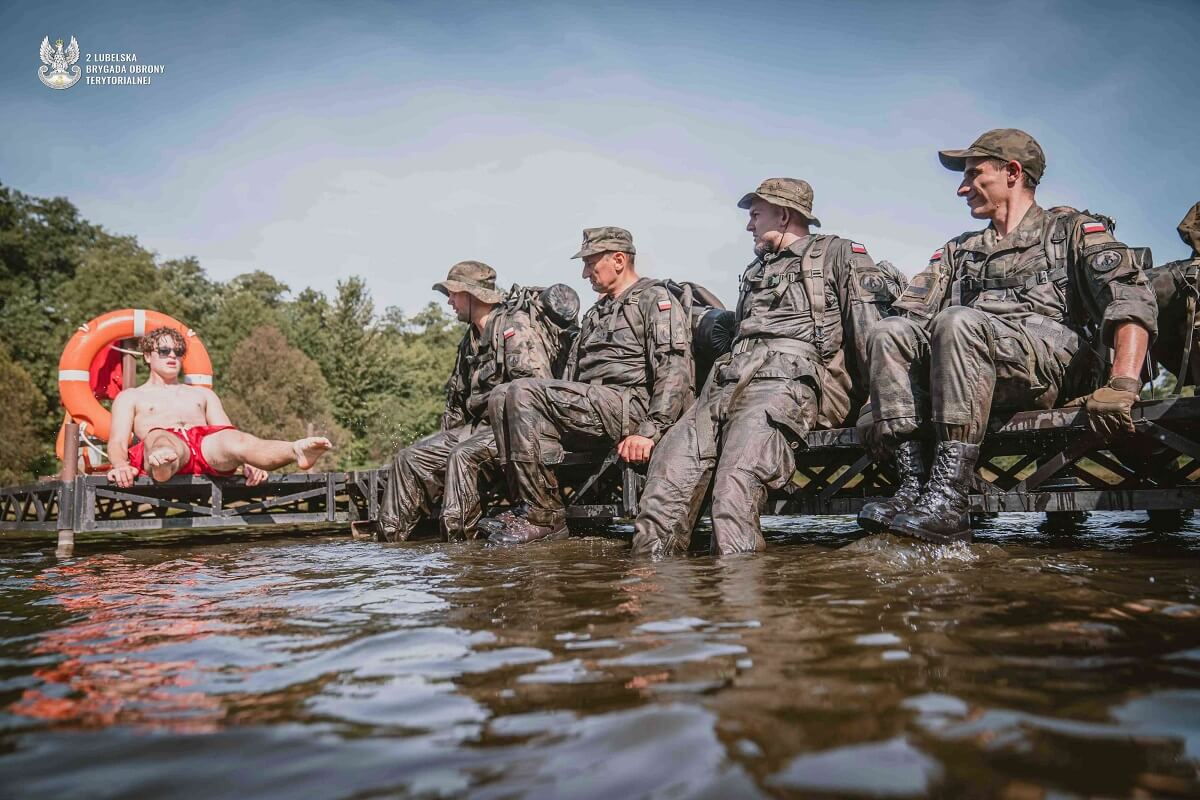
(813, 268)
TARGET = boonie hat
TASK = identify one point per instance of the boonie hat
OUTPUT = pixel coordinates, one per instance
(609, 239)
(473, 277)
(790, 193)
(1007, 144)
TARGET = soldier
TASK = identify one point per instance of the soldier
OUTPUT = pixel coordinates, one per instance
(1005, 317)
(805, 306)
(1176, 286)
(496, 348)
(628, 378)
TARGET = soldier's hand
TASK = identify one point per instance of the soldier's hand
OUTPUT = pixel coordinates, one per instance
(635, 449)
(254, 475)
(123, 476)
(1109, 407)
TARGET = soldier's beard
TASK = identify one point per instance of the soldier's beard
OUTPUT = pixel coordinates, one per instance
(764, 247)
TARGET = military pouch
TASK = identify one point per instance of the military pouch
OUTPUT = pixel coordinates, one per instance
(923, 297)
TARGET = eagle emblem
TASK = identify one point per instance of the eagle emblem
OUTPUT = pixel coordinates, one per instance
(58, 70)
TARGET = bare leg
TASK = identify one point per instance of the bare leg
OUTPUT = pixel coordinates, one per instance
(228, 450)
(165, 455)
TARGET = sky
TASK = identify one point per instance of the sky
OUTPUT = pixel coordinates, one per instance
(391, 139)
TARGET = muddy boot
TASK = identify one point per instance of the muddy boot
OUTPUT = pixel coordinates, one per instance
(489, 525)
(910, 465)
(367, 529)
(521, 530)
(940, 514)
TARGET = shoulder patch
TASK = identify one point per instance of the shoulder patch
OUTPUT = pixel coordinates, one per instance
(664, 305)
(855, 247)
(1094, 227)
(937, 256)
(871, 283)
(510, 332)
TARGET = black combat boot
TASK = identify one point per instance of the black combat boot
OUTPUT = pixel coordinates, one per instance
(940, 514)
(910, 465)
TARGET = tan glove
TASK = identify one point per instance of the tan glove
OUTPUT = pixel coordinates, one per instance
(1109, 407)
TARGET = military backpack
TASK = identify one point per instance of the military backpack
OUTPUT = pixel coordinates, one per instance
(554, 314)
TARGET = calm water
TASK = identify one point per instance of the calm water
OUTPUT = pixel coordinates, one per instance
(1026, 665)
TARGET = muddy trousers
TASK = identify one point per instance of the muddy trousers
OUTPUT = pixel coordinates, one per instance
(968, 362)
(445, 467)
(472, 464)
(539, 415)
(741, 452)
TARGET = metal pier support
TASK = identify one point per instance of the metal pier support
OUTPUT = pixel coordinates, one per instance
(66, 493)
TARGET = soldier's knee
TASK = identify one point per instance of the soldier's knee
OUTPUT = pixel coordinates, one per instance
(891, 330)
(955, 320)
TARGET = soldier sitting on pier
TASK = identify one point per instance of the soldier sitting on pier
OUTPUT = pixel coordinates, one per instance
(798, 362)
(1006, 317)
(506, 339)
(628, 378)
(184, 430)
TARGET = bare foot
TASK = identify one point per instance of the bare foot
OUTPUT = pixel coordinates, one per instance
(310, 449)
(161, 463)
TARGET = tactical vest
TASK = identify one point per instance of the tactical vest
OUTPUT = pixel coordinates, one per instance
(706, 316)
(833, 387)
(923, 297)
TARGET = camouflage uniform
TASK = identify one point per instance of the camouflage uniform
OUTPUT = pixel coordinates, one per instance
(629, 372)
(1176, 286)
(1005, 323)
(449, 465)
(786, 374)
(1012, 322)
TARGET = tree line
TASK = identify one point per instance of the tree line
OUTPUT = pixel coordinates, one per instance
(284, 362)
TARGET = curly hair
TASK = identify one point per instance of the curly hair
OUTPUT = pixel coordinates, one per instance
(150, 341)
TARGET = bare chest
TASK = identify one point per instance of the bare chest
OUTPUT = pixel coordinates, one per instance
(170, 407)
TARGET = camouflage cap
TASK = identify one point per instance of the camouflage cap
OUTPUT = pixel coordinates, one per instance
(609, 239)
(1189, 229)
(790, 193)
(1007, 144)
(473, 277)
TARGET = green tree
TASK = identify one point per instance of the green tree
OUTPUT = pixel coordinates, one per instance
(198, 295)
(273, 390)
(358, 370)
(267, 288)
(307, 318)
(419, 353)
(21, 408)
(237, 315)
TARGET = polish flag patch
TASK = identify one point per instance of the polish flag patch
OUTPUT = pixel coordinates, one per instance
(664, 305)
(1094, 227)
(937, 256)
(510, 332)
(855, 247)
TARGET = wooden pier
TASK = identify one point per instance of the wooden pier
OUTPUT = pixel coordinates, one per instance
(1035, 461)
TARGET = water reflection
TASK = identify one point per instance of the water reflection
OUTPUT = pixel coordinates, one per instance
(829, 665)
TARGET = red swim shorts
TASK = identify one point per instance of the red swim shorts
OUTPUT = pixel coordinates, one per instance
(192, 437)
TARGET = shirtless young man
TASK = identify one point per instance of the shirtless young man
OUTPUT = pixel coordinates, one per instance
(184, 430)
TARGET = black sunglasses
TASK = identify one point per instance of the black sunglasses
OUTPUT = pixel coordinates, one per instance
(166, 352)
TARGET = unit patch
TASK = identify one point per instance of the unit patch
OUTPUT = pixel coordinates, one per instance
(1105, 260)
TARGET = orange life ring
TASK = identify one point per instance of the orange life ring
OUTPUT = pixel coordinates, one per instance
(74, 376)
